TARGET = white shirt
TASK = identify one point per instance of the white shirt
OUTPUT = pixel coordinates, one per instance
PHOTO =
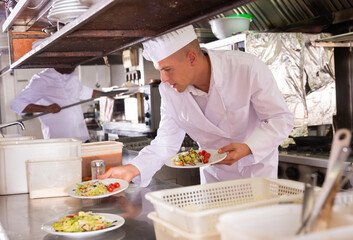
(48, 87)
(200, 97)
(244, 106)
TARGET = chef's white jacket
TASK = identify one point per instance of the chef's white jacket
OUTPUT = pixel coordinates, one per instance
(48, 87)
(244, 106)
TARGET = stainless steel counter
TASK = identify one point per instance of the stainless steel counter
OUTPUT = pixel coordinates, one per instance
(22, 217)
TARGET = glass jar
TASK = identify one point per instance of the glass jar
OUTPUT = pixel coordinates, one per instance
(97, 168)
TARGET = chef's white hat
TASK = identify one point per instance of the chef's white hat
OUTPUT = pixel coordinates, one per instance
(163, 46)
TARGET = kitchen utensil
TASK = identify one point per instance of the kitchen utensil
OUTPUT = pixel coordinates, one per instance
(309, 197)
(225, 27)
(318, 218)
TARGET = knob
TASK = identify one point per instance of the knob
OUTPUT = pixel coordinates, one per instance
(147, 123)
(320, 178)
(292, 173)
(147, 97)
(280, 172)
(147, 115)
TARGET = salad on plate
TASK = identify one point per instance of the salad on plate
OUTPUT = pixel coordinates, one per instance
(81, 222)
(95, 189)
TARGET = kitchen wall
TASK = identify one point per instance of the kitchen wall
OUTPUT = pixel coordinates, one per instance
(304, 73)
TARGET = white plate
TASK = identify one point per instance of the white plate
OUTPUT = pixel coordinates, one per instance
(123, 185)
(66, 1)
(215, 158)
(57, 5)
(67, 8)
(66, 16)
(108, 217)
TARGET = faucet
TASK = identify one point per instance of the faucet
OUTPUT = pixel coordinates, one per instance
(13, 123)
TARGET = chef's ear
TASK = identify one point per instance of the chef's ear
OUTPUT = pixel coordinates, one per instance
(192, 57)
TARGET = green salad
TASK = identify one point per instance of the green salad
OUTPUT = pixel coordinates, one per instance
(89, 189)
(81, 222)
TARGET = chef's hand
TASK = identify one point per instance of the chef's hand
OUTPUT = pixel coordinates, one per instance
(125, 172)
(235, 151)
(53, 108)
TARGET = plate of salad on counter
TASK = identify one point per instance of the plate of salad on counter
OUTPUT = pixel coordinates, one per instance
(195, 158)
(83, 224)
(98, 188)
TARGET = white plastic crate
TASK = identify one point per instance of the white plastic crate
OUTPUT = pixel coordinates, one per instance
(52, 178)
(279, 222)
(167, 231)
(14, 154)
(196, 209)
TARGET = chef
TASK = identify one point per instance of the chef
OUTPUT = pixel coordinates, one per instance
(225, 100)
(48, 91)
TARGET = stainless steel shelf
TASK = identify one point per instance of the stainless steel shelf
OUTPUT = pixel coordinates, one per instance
(28, 14)
(113, 25)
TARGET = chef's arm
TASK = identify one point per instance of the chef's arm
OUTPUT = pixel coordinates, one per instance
(53, 108)
(126, 172)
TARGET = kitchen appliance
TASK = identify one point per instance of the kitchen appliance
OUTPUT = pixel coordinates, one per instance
(137, 112)
(298, 163)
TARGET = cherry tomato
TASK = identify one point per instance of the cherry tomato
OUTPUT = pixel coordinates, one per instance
(111, 185)
(200, 153)
(203, 152)
(116, 185)
(207, 155)
(205, 160)
(110, 189)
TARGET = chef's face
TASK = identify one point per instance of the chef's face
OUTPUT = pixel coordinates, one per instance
(176, 70)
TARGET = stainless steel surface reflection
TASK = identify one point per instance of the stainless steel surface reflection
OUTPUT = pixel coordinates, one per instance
(22, 217)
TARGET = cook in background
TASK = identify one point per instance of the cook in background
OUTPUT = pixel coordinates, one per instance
(226, 100)
(48, 91)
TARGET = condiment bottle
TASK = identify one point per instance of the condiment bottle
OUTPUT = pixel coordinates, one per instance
(97, 168)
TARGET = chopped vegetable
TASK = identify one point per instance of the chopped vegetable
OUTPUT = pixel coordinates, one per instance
(94, 188)
(81, 222)
(192, 158)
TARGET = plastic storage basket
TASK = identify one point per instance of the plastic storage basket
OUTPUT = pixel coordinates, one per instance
(280, 222)
(52, 178)
(165, 230)
(196, 209)
(14, 154)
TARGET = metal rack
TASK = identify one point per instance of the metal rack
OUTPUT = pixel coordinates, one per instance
(109, 26)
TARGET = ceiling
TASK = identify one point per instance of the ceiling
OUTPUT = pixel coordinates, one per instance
(311, 16)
